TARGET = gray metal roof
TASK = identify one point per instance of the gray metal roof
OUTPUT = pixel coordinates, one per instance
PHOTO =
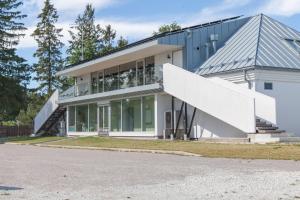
(259, 43)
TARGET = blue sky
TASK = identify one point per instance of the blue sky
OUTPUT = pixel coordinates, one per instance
(136, 19)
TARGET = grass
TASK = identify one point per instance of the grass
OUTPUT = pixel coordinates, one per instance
(29, 140)
(245, 151)
(213, 150)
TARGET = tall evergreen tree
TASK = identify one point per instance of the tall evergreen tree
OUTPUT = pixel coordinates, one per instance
(11, 65)
(12, 98)
(109, 35)
(49, 48)
(86, 37)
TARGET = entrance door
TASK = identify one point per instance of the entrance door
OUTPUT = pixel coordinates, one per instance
(177, 58)
(103, 117)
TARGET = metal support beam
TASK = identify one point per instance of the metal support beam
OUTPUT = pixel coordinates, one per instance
(179, 117)
(185, 124)
(192, 121)
(172, 116)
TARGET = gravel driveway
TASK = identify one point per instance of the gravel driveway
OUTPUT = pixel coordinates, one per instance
(29, 172)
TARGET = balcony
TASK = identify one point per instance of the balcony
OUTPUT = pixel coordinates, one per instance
(115, 81)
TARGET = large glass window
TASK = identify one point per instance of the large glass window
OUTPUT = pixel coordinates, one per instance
(115, 116)
(94, 83)
(71, 124)
(128, 75)
(149, 70)
(111, 79)
(100, 82)
(93, 117)
(140, 72)
(148, 113)
(131, 114)
(82, 118)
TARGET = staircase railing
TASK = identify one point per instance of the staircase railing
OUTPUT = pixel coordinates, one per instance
(49, 107)
(223, 103)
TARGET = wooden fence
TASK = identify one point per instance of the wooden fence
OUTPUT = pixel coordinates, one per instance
(14, 131)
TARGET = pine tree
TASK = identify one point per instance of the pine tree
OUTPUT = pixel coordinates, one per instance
(11, 65)
(86, 37)
(167, 28)
(49, 48)
(12, 98)
(109, 36)
(122, 42)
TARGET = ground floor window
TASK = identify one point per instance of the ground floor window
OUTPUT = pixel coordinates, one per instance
(83, 118)
(148, 113)
(133, 114)
(71, 125)
(115, 116)
(126, 115)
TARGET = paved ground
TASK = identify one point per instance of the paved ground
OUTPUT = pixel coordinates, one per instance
(28, 172)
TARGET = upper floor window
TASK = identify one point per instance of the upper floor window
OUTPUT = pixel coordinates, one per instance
(295, 44)
(268, 86)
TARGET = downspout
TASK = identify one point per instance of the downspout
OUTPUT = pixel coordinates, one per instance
(247, 80)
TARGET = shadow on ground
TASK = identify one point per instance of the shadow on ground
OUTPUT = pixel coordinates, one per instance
(8, 188)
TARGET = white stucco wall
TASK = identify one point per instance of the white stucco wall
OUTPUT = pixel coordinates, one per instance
(204, 125)
(286, 91)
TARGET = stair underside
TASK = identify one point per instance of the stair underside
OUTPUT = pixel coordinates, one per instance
(54, 117)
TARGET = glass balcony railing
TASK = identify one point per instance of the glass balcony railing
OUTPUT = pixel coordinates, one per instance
(115, 81)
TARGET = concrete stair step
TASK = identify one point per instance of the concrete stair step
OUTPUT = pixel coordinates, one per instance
(269, 131)
(263, 124)
(267, 128)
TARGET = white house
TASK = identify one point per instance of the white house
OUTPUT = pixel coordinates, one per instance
(224, 79)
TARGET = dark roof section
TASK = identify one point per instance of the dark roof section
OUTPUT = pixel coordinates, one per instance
(156, 37)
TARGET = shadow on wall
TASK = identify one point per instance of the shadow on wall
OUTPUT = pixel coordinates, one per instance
(208, 126)
(8, 188)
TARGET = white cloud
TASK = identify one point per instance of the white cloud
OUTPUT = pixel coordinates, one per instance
(71, 5)
(133, 29)
(281, 7)
(222, 10)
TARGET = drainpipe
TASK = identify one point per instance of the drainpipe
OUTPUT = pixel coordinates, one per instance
(207, 50)
(247, 80)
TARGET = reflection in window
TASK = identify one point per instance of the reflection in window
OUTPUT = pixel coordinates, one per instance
(93, 117)
(128, 75)
(71, 124)
(148, 113)
(131, 114)
(100, 82)
(94, 83)
(82, 118)
(111, 79)
(140, 73)
(115, 116)
(149, 70)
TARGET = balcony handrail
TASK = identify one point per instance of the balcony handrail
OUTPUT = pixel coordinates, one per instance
(85, 88)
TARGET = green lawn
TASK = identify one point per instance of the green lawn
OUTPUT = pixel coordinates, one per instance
(246, 151)
(29, 140)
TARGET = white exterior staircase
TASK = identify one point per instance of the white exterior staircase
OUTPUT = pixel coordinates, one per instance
(48, 115)
(247, 110)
